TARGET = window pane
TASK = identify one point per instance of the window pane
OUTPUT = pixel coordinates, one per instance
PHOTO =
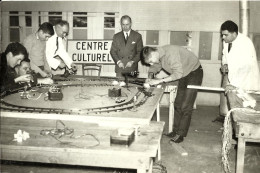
(14, 21)
(109, 22)
(28, 12)
(256, 40)
(80, 34)
(80, 13)
(53, 19)
(178, 38)
(13, 12)
(152, 37)
(55, 13)
(108, 34)
(14, 35)
(110, 14)
(80, 21)
(28, 20)
(205, 45)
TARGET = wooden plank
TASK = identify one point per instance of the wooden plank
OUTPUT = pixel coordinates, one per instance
(179, 149)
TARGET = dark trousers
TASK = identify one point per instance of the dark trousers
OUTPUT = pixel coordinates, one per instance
(185, 100)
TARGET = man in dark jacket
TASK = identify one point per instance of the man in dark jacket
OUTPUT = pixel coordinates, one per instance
(13, 55)
(126, 48)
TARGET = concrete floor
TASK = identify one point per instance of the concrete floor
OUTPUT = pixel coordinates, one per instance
(203, 145)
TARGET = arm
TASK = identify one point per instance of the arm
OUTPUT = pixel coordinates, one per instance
(63, 54)
(139, 47)
(50, 53)
(114, 50)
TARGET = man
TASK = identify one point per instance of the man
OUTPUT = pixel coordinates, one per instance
(35, 45)
(182, 65)
(126, 48)
(239, 59)
(13, 55)
(25, 68)
(56, 53)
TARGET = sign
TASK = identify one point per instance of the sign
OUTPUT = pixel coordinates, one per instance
(90, 51)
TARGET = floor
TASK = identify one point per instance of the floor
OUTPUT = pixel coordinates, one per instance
(203, 145)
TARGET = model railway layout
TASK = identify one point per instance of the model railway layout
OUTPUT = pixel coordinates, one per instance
(80, 97)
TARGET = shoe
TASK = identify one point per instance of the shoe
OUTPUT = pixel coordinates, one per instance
(177, 138)
(171, 134)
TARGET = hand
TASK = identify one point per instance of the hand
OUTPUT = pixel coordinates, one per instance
(24, 78)
(121, 65)
(224, 68)
(129, 64)
(46, 81)
(74, 67)
(62, 65)
(153, 82)
(49, 75)
(230, 88)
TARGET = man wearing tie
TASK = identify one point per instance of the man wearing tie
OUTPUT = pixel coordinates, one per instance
(56, 53)
(126, 48)
(239, 59)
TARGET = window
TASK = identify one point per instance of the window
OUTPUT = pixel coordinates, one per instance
(54, 17)
(80, 25)
(28, 23)
(152, 37)
(14, 27)
(256, 41)
(109, 25)
(178, 38)
(205, 45)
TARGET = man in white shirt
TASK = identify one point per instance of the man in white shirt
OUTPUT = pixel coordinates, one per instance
(239, 59)
(56, 53)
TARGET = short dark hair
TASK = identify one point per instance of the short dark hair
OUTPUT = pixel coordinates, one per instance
(47, 27)
(62, 23)
(126, 17)
(16, 49)
(146, 52)
(230, 26)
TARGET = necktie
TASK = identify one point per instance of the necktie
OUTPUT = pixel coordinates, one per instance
(229, 46)
(126, 38)
(57, 45)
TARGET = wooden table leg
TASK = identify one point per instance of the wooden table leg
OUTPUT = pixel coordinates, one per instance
(158, 112)
(171, 111)
(240, 155)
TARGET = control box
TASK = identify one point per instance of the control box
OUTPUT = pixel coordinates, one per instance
(55, 94)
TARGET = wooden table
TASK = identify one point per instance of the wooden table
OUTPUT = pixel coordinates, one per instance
(82, 150)
(246, 125)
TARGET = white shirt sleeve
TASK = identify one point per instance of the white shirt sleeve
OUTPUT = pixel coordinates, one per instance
(224, 54)
(50, 53)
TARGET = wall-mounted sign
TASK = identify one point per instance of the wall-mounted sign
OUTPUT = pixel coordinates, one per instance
(90, 51)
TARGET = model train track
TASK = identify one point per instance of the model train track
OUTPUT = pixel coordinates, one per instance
(131, 104)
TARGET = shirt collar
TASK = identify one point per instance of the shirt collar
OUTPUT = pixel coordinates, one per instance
(237, 38)
(127, 33)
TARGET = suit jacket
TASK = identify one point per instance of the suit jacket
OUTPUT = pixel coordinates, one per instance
(126, 52)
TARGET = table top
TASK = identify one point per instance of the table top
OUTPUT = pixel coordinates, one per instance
(244, 116)
(95, 106)
(83, 142)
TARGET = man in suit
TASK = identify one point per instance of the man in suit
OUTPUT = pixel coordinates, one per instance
(126, 48)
